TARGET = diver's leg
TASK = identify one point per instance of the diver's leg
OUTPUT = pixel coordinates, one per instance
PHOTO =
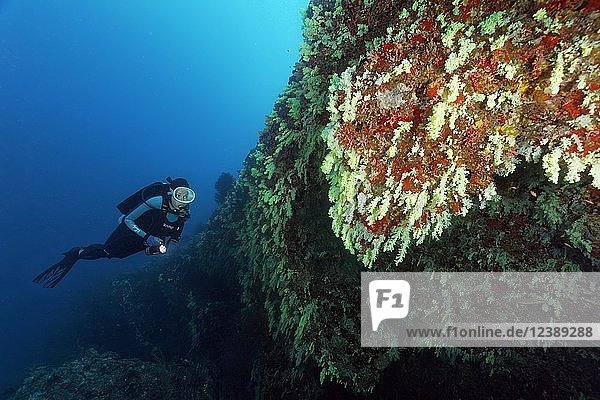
(114, 247)
(123, 242)
(93, 252)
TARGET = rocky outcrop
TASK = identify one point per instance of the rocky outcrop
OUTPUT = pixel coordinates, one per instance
(96, 376)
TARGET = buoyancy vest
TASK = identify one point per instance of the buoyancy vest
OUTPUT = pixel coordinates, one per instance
(154, 221)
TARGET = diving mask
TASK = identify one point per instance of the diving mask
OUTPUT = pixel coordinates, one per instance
(184, 195)
(181, 199)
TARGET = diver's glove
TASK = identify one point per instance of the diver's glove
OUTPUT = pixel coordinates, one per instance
(153, 241)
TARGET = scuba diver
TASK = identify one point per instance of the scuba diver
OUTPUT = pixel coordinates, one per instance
(150, 215)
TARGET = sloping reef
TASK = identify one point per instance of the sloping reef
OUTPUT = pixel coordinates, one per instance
(412, 136)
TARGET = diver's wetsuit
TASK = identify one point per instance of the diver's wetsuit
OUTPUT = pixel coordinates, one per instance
(151, 218)
(154, 217)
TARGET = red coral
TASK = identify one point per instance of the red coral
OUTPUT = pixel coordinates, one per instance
(433, 89)
(419, 38)
(572, 104)
(592, 5)
(428, 24)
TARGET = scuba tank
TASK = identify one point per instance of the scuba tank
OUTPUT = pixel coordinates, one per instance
(146, 193)
(142, 196)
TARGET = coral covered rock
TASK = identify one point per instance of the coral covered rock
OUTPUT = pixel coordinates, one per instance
(96, 376)
(223, 186)
(455, 95)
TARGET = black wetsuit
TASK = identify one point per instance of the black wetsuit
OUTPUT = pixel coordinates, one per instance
(151, 218)
(154, 217)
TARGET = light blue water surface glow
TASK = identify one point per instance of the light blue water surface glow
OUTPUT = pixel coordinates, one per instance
(99, 98)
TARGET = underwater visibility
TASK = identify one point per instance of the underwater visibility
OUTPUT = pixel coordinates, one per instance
(209, 252)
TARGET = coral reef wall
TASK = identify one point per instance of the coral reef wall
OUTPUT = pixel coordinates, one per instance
(416, 135)
(412, 136)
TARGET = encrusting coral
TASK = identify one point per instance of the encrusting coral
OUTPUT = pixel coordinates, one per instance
(455, 95)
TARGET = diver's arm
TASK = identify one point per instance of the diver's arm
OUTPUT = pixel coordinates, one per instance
(153, 203)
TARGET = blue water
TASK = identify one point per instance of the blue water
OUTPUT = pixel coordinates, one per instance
(99, 98)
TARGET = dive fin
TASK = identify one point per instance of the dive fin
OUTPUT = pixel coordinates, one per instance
(53, 275)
